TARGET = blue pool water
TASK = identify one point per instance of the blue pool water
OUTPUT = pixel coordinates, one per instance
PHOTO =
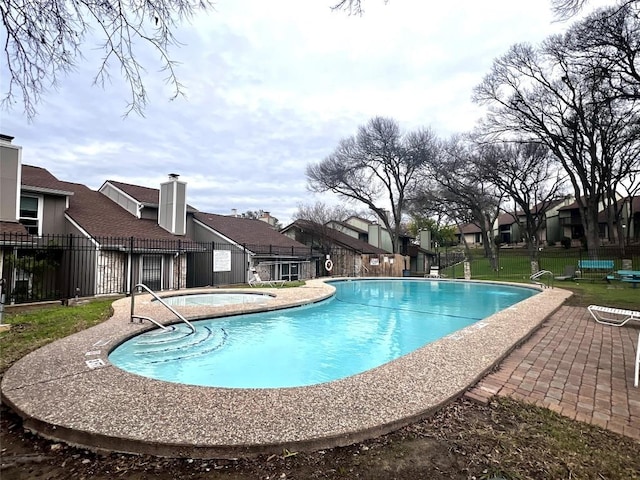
(366, 324)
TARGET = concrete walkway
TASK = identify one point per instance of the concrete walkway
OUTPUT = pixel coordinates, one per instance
(576, 367)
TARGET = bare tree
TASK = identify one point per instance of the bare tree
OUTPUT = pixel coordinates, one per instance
(606, 47)
(543, 95)
(631, 189)
(453, 182)
(469, 192)
(606, 50)
(315, 219)
(322, 213)
(44, 41)
(380, 163)
(565, 9)
(354, 7)
(529, 176)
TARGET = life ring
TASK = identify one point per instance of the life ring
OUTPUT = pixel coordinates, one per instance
(328, 265)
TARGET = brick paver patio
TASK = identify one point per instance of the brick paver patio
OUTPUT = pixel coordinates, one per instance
(576, 367)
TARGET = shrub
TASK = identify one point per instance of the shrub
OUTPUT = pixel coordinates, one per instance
(566, 242)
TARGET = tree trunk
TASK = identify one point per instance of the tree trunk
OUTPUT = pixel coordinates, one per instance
(593, 239)
(532, 248)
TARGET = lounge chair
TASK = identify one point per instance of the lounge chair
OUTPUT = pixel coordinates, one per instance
(255, 280)
(568, 274)
(434, 272)
(612, 316)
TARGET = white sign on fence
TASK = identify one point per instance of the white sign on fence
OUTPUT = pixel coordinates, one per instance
(222, 260)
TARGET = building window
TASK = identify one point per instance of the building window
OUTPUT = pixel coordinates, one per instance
(290, 271)
(152, 271)
(577, 232)
(30, 214)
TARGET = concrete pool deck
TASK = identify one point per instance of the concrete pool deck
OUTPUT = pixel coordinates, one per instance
(69, 391)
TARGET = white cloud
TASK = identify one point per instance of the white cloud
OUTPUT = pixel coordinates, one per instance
(271, 87)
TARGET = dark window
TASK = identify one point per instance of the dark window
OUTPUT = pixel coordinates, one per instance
(152, 271)
(577, 232)
(29, 214)
(290, 271)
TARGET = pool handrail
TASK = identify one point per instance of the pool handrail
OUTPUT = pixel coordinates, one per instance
(157, 323)
(537, 278)
(155, 296)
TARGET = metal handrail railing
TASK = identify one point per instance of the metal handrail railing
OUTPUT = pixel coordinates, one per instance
(536, 277)
(157, 323)
(153, 294)
(359, 271)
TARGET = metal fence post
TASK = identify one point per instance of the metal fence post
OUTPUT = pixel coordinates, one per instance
(213, 274)
(2, 298)
(245, 267)
(130, 262)
(179, 258)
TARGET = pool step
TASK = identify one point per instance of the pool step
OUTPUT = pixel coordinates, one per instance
(174, 333)
(177, 344)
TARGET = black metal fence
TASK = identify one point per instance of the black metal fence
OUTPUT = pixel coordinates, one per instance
(58, 267)
(515, 264)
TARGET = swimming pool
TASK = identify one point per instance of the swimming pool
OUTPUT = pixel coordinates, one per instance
(367, 323)
(146, 416)
(216, 299)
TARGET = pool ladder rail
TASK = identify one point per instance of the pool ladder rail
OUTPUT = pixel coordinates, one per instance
(141, 286)
(537, 278)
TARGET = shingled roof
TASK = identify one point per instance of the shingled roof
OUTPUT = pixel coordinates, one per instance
(247, 231)
(41, 180)
(469, 228)
(506, 219)
(503, 219)
(603, 214)
(142, 194)
(338, 237)
(101, 217)
(12, 228)
(145, 195)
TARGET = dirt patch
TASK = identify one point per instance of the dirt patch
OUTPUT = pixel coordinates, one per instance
(464, 440)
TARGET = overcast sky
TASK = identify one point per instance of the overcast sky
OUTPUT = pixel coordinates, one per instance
(272, 86)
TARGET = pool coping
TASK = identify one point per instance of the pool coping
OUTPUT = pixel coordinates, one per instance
(69, 391)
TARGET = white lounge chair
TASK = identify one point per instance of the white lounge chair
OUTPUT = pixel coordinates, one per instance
(612, 316)
(434, 272)
(256, 280)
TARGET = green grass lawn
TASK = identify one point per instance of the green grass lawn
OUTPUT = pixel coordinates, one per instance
(590, 290)
(34, 328)
(601, 293)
